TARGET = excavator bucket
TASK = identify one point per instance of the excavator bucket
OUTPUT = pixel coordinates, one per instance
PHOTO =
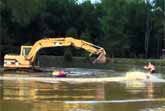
(101, 59)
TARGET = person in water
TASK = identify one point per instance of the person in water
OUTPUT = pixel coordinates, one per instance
(150, 67)
(58, 74)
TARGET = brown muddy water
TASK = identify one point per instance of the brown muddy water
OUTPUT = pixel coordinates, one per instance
(36, 95)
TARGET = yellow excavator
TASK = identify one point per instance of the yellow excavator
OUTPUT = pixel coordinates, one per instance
(25, 59)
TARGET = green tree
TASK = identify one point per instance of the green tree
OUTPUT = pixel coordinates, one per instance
(15, 18)
(90, 21)
(72, 32)
(137, 17)
(114, 26)
(158, 26)
(23, 11)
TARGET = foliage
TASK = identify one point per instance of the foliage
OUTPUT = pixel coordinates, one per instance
(125, 28)
(114, 25)
(68, 55)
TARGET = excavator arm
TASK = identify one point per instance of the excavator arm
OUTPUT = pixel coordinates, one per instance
(68, 41)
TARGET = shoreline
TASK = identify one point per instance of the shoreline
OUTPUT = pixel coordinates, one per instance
(120, 64)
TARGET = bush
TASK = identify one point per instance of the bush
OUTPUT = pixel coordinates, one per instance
(68, 55)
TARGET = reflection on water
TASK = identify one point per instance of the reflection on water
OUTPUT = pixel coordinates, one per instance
(33, 90)
(40, 96)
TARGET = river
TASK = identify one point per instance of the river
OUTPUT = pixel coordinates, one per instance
(36, 95)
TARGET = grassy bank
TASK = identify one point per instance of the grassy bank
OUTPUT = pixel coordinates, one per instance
(115, 63)
(158, 62)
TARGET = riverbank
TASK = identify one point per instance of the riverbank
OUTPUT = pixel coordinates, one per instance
(113, 63)
(119, 64)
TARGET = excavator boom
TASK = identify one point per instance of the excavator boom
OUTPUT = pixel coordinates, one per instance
(27, 60)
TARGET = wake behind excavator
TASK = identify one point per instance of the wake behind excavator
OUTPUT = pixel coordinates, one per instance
(25, 59)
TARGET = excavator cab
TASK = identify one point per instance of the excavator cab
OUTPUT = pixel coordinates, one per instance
(25, 50)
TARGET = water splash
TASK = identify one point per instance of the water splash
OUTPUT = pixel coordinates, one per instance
(143, 76)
